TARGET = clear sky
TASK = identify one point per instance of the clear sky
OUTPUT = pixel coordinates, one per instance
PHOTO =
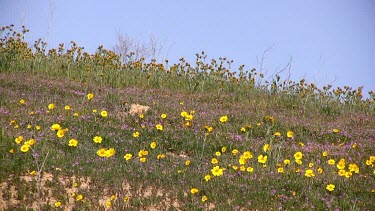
(330, 41)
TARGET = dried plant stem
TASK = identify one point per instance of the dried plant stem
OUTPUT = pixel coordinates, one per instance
(39, 178)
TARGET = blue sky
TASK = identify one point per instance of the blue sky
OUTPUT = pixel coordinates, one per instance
(330, 41)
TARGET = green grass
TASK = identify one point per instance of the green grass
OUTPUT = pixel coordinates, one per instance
(256, 110)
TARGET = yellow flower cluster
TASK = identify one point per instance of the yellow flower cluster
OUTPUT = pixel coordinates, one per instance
(298, 157)
(103, 152)
(160, 156)
(142, 155)
(26, 145)
(188, 117)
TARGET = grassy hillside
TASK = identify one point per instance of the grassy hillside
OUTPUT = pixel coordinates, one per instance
(212, 139)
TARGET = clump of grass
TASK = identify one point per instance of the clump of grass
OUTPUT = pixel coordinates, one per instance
(213, 139)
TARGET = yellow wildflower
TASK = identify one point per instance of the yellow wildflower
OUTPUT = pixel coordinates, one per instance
(207, 177)
(298, 155)
(160, 156)
(79, 197)
(189, 117)
(73, 142)
(290, 134)
(262, 159)
(97, 139)
(159, 127)
(266, 147)
(110, 152)
(217, 171)
(56, 127)
(104, 113)
(90, 96)
(184, 114)
(204, 198)
(60, 133)
(51, 106)
(348, 174)
(126, 198)
(194, 191)
(136, 134)
(143, 159)
(223, 119)
(309, 173)
(250, 169)
(354, 167)
(330, 187)
(214, 161)
(341, 164)
(128, 156)
(242, 160)
(247, 155)
(101, 152)
(25, 148)
(19, 139)
(280, 170)
(57, 204)
(331, 162)
(142, 153)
